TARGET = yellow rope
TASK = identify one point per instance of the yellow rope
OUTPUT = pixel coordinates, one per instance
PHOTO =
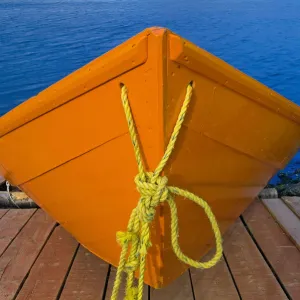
(154, 190)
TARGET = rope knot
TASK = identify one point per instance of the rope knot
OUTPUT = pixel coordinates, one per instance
(126, 237)
(131, 265)
(153, 190)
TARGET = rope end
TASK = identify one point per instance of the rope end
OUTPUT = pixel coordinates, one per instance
(132, 294)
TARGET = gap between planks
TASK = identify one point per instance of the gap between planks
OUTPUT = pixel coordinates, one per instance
(294, 204)
(3, 211)
(11, 224)
(49, 270)
(252, 275)
(89, 275)
(287, 219)
(19, 257)
(279, 251)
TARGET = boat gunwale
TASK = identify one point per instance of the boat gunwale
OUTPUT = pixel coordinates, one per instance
(125, 57)
(183, 52)
(135, 50)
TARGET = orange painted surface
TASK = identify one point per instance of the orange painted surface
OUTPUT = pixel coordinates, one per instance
(68, 148)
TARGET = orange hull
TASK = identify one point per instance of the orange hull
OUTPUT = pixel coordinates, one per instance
(68, 148)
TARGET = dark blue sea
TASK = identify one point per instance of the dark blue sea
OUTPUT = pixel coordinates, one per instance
(43, 41)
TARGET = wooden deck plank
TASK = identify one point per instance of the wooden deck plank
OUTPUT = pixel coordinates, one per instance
(179, 289)
(294, 204)
(48, 272)
(3, 211)
(87, 277)
(288, 221)
(277, 247)
(10, 225)
(19, 257)
(122, 289)
(214, 284)
(251, 273)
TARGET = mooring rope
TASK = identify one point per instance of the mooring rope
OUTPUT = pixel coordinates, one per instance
(154, 190)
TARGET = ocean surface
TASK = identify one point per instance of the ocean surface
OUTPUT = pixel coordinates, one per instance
(43, 41)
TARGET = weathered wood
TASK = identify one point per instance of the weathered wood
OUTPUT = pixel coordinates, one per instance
(122, 289)
(48, 272)
(181, 288)
(276, 246)
(251, 273)
(18, 258)
(20, 200)
(288, 221)
(88, 274)
(11, 224)
(87, 277)
(293, 203)
(214, 284)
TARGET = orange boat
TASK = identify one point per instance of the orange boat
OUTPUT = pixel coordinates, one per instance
(70, 150)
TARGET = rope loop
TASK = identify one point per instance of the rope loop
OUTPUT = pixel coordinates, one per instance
(152, 193)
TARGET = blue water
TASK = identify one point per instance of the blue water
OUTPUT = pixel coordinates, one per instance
(43, 41)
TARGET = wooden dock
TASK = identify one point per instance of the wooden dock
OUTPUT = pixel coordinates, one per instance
(40, 260)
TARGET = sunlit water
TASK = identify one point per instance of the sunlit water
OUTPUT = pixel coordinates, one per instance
(43, 41)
